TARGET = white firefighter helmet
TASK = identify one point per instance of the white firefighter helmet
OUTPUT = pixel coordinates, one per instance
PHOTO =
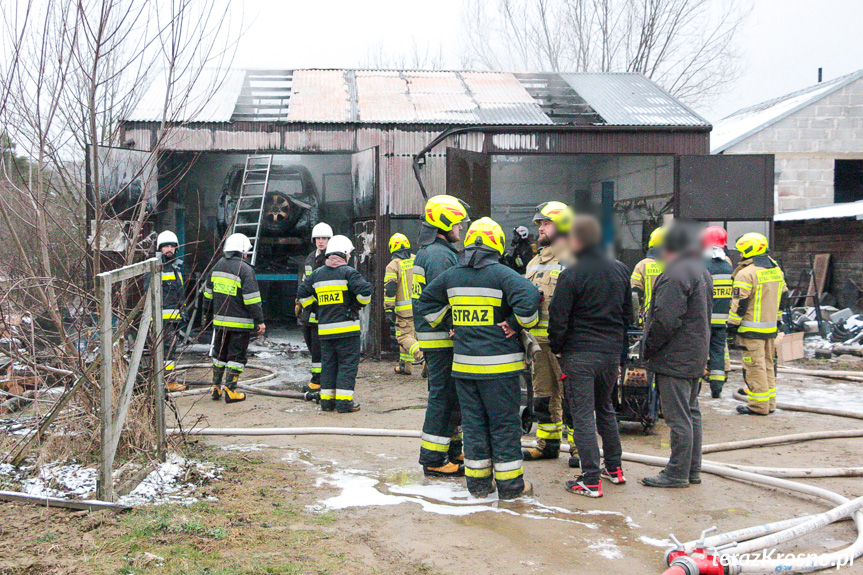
(238, 243)
(340, 245)
(166, 238)
(322, 230)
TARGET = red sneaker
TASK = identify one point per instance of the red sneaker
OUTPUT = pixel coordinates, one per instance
(580, 486)
(614, 475)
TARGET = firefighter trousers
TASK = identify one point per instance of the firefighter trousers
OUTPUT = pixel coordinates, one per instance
(547, 397)
(310, 334)
(229, 349)
(492, 440)
(407, 338)
(340, 361)
(170, 342)
(759, 373)
(717, 358)
(442, 436)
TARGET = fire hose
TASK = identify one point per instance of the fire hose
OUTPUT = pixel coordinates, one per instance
(705, 556)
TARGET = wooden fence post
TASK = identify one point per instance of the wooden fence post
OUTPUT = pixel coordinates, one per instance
(105, 483)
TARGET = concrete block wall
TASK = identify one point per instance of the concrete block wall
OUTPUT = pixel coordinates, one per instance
(806, 145)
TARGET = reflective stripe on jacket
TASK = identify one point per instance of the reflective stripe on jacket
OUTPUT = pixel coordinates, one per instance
(720, 270)
(757, 288)
(474, 301)
(337, 294)
(644, 277)
(543, 271)
(431, 261)
(398, 283)
(313, 261)
(236, 298)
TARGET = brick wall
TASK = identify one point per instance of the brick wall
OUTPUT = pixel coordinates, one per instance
(794, 241)
(806, 144)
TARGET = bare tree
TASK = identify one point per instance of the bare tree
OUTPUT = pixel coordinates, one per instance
(416, 57)
(686, 46)
(70, 72)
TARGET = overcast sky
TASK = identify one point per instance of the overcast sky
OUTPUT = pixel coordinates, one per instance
(784, 42)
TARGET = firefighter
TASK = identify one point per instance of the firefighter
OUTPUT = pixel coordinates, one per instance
(232, 290)
(757, 292)
(522, 250)
(321, 234)
(486, 303)
(337, 291)
(648, 270)
(398, 281)
(173, 298)
(717, 263)
(553, 220)
(441, 443)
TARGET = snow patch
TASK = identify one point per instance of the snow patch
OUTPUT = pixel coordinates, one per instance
(606, 548)
(664, 543)
(245, 447)
(169, 483)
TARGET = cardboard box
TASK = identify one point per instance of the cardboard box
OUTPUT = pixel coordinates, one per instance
(789, 346)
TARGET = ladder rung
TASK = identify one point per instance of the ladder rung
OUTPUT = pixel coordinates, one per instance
(238, 224)
(248, 211)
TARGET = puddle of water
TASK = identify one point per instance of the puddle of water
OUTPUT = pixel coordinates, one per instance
(361, 489)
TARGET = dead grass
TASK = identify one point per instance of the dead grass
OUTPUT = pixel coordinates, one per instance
(259, 523)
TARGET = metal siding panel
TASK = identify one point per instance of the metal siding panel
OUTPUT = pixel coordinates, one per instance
(246, 140)
(208, 97)
(320, 96)
(142, 138)
(185, 139)
(632, 100)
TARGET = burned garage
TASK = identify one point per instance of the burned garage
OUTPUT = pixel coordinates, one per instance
(360, 149)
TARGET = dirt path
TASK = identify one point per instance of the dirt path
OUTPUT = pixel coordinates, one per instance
(374, 488)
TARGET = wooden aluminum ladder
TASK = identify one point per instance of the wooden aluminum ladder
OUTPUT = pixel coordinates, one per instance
(250, 205)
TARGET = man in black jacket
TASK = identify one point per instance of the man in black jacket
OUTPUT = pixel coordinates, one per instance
(588, 318)
(676, 345)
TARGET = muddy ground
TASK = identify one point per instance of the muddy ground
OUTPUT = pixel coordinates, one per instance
(331, 504)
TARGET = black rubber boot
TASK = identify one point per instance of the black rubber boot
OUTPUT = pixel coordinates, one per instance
(218, 375)
(231, 395)
(348, 408)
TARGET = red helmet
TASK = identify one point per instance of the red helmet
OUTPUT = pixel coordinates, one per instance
(714, 236)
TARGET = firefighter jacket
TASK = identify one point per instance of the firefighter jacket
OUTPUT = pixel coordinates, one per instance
(720, 270)
(644, 277)
(313, 261)
(173, 289)
(756, 297)
(431, 261)
(337, 292)
(543, 271)
(522, 252)
(474, 297)
(398, 283)
(232, 288)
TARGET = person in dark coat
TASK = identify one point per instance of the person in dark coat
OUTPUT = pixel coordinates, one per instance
(588, 317)
(676, 345)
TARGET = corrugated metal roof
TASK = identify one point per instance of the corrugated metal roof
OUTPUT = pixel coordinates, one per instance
(317, 96)
(632, 100)
(746, 122)
(209, 97)
(830, 211)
